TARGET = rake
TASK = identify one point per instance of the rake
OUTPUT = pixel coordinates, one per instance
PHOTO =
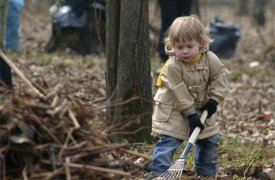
(175, 171)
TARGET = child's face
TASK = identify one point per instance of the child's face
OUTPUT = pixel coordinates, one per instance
(186, 51)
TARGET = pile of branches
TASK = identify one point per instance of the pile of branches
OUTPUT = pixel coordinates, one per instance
(46, 137)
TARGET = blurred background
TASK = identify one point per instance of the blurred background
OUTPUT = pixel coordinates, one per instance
(253, 17)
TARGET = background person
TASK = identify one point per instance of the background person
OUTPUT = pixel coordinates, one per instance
(11, 39)
(170, 10)
(13, 24)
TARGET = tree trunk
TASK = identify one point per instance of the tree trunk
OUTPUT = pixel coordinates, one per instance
(3, 17)
(258, 11)
(242, 8)
(195, 8)
(128, 70)
(5, 70)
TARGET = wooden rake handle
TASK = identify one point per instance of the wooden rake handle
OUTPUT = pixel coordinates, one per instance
(197, 130)
(193, 138)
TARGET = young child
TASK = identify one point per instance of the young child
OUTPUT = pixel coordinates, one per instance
(192, 80)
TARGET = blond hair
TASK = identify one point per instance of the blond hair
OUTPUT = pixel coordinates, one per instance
(186, 28)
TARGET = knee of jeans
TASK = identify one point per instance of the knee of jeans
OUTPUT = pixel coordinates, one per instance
(207, 156)
(163, 154)
(161, 161)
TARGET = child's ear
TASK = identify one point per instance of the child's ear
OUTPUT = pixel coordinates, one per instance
(169, 51)
(202, 46)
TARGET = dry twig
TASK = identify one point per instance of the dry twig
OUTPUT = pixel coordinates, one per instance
(19, 73)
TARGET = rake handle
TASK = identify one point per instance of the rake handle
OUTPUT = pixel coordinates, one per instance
(197, 130)
(193, 136)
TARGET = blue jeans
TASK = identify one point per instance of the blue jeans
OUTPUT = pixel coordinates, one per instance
(206, 155)
(205, 159)
(13, 23)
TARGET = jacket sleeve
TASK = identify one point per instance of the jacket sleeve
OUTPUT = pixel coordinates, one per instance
(172, 78)
(218, 78)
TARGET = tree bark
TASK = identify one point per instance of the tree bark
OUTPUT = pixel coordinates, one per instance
(128, 70)
(195, 8)
(5, 70)
(242, 8)
(258, 10)
(3, 18)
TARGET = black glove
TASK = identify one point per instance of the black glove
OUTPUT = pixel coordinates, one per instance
(194, 121)
(210, 106)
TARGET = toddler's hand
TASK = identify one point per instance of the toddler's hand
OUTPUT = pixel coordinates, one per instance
(210, 106)
(194, 121)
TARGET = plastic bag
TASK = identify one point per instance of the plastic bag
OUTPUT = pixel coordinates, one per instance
(75, 13)
(225, 37)
(65, 17)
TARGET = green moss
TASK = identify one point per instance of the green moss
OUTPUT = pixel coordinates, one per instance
(235, 153)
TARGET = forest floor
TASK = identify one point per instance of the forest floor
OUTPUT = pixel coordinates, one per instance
(246, 117)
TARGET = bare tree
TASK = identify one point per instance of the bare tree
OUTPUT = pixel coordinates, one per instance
(5, 70)
(3, 15)
(128, 70)
(255, 8)
(242, 8)
(258, 11)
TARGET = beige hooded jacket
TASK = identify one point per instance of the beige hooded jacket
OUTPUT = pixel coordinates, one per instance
(184, 88)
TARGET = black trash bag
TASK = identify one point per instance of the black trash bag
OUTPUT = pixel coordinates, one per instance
(225, 37)
(65, 17)
(75, 13)
(77, 26)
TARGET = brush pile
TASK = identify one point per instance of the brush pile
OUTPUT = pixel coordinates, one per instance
(48, 137)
